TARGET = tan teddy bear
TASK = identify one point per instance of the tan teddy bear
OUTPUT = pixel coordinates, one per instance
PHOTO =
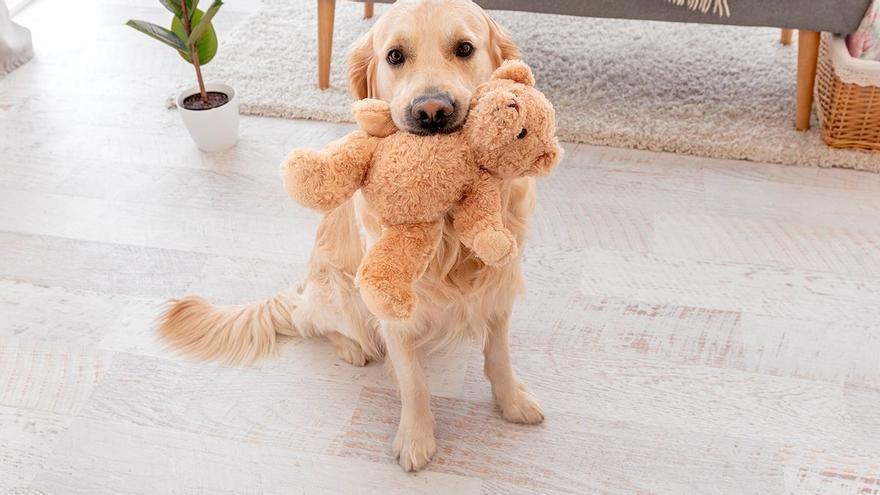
(412, 181)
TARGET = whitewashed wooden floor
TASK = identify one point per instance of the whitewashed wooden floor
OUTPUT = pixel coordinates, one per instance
(691, 325)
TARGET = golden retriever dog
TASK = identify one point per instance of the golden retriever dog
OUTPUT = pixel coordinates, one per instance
(425, 57)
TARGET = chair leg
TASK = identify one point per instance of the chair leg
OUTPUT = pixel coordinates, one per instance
(785, 36)
(368, 10)
(326, 14)
(808, 55)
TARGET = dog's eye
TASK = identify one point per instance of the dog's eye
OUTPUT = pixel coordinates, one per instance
(522, 134)
(464, 50)
(395, 57)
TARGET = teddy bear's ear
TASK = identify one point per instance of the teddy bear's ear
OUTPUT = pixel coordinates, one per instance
(374, 117)
(515, 70)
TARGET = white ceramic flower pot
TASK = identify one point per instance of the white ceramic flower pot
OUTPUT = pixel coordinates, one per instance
(215, 129)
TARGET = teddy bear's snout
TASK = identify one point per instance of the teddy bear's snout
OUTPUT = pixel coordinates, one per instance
(545, 163)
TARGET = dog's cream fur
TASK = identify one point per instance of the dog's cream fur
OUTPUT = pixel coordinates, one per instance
(460, 297)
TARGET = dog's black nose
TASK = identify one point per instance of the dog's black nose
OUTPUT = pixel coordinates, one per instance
(432, 112)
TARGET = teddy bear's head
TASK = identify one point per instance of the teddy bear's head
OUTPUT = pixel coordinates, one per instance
(511, 126)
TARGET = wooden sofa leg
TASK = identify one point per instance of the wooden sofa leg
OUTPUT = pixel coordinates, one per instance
(785, 36)
(808, 54)
(326, 14)
(368, 10)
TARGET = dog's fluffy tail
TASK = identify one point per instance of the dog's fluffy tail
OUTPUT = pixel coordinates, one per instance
(233, 334)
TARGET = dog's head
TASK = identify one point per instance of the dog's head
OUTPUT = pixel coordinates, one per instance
(512, 126)
(425, 58)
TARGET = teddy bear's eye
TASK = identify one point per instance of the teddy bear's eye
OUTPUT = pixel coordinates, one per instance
(522, 134)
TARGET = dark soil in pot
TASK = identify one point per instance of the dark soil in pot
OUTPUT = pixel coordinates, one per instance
(215, 99)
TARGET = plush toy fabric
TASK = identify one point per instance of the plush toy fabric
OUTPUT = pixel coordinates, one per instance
(411, 182)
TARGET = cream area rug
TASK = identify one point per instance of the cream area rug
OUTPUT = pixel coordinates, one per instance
(715, 91)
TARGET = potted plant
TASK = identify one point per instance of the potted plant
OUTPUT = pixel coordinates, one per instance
(210, 111)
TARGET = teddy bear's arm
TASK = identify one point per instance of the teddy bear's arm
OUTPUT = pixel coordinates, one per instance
(323, 180)
(478, 221)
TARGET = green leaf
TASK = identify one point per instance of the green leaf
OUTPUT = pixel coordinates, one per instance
(207, 45)
(190, 5)
(204, 23)
(170, 38)
(172, 6)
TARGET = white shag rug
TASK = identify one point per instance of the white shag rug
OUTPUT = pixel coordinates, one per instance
(715, 91)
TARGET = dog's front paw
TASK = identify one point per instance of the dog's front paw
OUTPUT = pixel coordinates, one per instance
(518, 405)
(414, 447)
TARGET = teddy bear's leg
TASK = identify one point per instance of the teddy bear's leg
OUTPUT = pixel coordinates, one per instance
(479, 223)
(374, 117)
(393, 264)
(323, 180)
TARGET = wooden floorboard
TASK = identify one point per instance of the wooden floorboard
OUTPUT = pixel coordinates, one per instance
(106, 457)
(27, 438)
(690, 325)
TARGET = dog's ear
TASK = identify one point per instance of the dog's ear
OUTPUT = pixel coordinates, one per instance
(501, 46)
(515, 70)
(362, 67)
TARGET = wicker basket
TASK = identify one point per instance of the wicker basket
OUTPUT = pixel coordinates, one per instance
(848, 96)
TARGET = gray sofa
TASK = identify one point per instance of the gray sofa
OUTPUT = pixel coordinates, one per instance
(810, 17)
(835, 16)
